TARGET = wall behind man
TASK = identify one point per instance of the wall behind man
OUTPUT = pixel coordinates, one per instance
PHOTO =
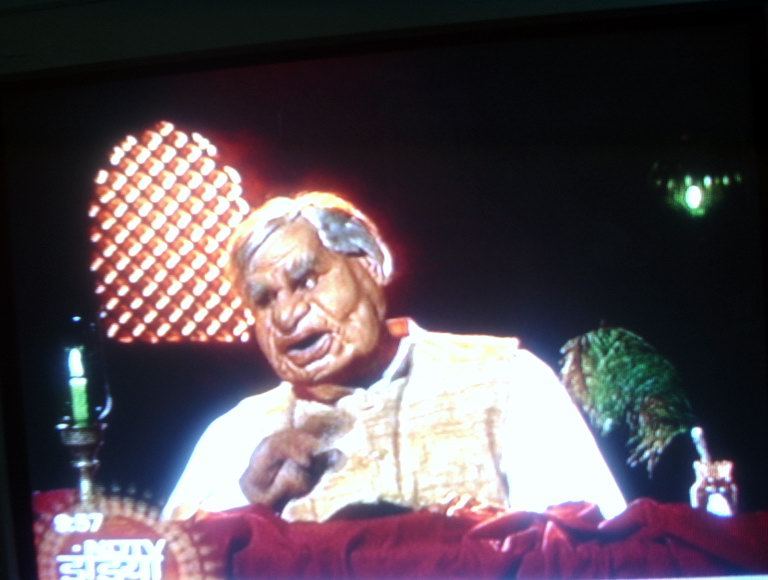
(38, 35)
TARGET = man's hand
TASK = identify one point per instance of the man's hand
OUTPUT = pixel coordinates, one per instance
(285, 465)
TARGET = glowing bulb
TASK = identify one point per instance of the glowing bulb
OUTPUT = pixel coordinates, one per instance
(694, 197)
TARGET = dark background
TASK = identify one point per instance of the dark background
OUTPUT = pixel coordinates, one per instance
(508, 168)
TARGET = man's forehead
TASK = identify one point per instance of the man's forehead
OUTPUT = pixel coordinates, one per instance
(291, 245)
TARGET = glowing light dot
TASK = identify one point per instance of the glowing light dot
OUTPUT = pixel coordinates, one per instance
(200, 315)
(121, 209)
(194, 179)
(221, 206)
(147, 262)
(186, 275)
(125, 317)
(133, 223)
(149, 289)
(152, 140)
(193, 153)
(163, 329)
(167, 153)
(97, 263)
(181, 167)
(172, 261)
(184, 220)
(135, 275)
(174, 288)
(117, 155)
(161, 275)
(136, 302)
(129, 142)
(188, 328)
(155, 166)
(211, 150)
(100, 289)
(162, 303)
(236, 302)
(165, 128)
(107, 196)
(112, 330)
(146, 235)
(171, 208)
(171, 234)
(180, 139)
(133, 194)
(208, 193)
(112, 302)
(222, 234)
(209, 221)
(222, 260)
(175, 315)
(111, 249)
(101, 177)
(122, 291)
(158, 220)
(121, 236)
(244, 336)
(95, 237)
(199, 288)
(160, 249)
(207, 166)
(142, 154)
(242, 206)
(186, 247)
(694, 197)
(168, 179)
(226, 314)
(144, 209)
(212, 302)
(197, 234)
(182, 192)
(232, 173)
(108, 223)
(198, 262)
(130, 168)
(157, 194)
(150, 316)
(707, 181)
(119, 181)
(134, 249)
(726, 180)
(212, 273)
(211, 245)
(240, 327)
(122, 263)
(212, 327)
(138, 329)
(219, 179)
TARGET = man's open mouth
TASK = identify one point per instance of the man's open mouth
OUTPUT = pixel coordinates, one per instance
(308, 348)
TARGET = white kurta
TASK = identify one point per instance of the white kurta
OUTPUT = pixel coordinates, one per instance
(453, 414)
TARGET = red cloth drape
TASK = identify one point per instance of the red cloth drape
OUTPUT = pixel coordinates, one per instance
(648, 539)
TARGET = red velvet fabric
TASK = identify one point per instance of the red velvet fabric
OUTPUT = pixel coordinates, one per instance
(647, 540)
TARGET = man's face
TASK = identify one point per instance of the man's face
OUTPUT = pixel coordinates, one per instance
(318, 314)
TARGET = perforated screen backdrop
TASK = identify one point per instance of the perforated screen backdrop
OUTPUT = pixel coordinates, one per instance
(161, 215)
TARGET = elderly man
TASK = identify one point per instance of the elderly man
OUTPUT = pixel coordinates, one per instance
(373, 411)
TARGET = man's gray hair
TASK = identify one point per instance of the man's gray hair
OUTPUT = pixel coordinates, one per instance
(341, 227)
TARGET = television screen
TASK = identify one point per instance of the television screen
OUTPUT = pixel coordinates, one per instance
(538, 182)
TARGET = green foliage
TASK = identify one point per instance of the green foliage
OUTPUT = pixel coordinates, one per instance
(616, 377)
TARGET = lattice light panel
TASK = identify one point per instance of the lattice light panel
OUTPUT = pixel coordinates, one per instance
(160, 219)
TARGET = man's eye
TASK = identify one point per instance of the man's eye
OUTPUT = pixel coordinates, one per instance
(307, 282)
(262, 298)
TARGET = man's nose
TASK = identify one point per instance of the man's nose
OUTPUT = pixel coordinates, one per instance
(288, 312)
